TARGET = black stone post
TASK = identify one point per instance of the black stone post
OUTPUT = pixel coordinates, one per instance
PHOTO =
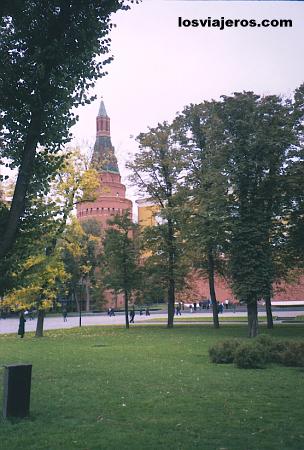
(17, 390)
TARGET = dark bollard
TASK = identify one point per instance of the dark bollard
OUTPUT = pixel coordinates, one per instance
(17, 390)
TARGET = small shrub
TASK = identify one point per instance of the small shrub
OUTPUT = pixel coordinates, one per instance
(276, 351)
(251, 355)
(273, 348)
(264, 340)
(223, 352)
(268, 345)
(292, 354)
(255, 354)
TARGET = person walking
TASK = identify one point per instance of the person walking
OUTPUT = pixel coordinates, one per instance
(21, 328)
(132, 315)
(147, 311)
(65, 315)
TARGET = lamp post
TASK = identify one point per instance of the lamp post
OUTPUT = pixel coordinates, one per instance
(80, 300)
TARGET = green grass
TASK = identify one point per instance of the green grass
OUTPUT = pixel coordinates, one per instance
(152, 388)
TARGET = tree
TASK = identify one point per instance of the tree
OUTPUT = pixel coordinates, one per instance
(258, 140)
(42, 277)
(121, 257)
(204, 218)
(45, 221)
(155, 261)
(49, 59)
(295, 178)
(81, 252)
(157, 170)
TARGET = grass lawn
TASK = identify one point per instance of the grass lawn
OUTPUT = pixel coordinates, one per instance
(152, 388)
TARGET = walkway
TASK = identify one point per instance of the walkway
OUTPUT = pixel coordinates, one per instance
(52, 323)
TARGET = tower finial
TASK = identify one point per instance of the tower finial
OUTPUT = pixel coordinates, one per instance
(102, 109)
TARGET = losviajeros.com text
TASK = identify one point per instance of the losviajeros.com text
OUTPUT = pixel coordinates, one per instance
(223, 23)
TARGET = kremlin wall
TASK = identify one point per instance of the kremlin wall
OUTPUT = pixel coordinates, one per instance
(111, 200)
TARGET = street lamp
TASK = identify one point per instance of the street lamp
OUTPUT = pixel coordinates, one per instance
(80, 300)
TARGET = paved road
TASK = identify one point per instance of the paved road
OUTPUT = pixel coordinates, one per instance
(52, 323)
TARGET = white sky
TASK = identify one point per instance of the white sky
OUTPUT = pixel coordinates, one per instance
(159, 68)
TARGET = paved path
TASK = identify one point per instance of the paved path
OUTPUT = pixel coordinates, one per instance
(52, 323)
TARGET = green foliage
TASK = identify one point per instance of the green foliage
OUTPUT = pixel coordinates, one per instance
(260, 137)
(46, 216)
(51, 55)
(157, 170)
(48, 62)
(250, 355)
(81, 252)
(223, 352)
(156, 263)
(292, 354)
(121, 255)
(258, 353)
(204, 216)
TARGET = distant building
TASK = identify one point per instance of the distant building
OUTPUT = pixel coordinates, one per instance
(147, 211)
(111, 197)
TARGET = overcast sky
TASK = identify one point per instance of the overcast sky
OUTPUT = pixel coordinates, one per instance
(159, 67)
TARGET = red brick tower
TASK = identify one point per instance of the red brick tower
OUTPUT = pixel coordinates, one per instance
(111, 198)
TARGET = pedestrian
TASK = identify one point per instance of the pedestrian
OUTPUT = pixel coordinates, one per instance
(178, 310)
(147, 311)
(227, 304)
(21, 328)
(132, 315)
(220, 307)
(65, 315)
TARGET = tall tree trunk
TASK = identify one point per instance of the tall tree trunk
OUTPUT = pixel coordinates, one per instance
(126, 308)
(40, 321)
(216, 323)
(78, 305)
(269, 311)
(25, 172)
(171, 280)
(252, 312)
